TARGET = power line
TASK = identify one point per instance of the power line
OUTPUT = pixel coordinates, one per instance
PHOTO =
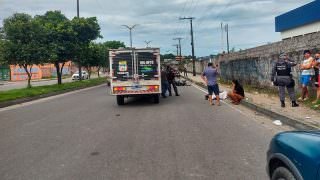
(218, 14)
(185, 10)
(195, 7)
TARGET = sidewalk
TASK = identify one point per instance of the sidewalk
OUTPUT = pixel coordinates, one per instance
(300, 117)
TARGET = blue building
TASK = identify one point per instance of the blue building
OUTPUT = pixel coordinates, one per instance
(300, 21)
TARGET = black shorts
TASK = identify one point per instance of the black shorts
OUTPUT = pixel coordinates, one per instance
(213, 89)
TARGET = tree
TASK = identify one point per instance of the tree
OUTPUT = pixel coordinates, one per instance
(93, 57)
(23, 45)
(167, 56)
(2, 59)
(106, 47)
(87, 30)
(103, 60)
(59, 40)
(114, 44)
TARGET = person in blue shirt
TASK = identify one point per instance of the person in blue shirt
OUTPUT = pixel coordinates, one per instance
(209, 76)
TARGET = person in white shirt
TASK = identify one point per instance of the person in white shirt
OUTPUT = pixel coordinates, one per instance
(307, 72)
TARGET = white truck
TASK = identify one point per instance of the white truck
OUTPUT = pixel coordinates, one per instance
(135, 72)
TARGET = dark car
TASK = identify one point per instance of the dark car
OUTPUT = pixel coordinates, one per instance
(294, 156)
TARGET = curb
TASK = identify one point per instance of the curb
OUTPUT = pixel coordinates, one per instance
(299, 125)
(28, 99)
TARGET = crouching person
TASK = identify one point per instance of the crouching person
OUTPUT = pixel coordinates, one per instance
(281, 77)
(237, 93)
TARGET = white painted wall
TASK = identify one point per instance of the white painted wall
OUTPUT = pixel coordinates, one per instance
(310, 28)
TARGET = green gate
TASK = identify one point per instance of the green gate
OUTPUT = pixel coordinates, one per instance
(4, 73)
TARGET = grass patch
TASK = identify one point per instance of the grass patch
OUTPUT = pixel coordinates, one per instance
(309, 103)
(53, 78)
(41, 90)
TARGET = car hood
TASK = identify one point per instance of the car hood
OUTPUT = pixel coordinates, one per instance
(307, 142)
(311, 134)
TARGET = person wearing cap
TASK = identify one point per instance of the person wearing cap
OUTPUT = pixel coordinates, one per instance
(307, 72)
(281, 77)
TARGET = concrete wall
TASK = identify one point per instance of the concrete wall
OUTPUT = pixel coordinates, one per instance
(253, 66)
(38, 71)
(200, 66)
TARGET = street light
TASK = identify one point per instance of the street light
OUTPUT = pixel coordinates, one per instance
(147, 43)
(130, 29)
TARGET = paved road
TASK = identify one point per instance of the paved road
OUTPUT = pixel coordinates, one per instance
(85, 135)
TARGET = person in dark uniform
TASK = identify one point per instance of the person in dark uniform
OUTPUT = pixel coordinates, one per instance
(185, 72)
(164, 82)
(171, 79)
(281, 77)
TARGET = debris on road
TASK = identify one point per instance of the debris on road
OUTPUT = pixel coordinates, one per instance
(277, 122)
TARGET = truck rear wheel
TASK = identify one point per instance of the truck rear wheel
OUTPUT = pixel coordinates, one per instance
(156, 98)
(120, 100)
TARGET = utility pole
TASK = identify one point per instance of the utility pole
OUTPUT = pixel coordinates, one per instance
(192, 43)
(179, 39)
(222, 39)
(78, 9)
(177, 46)
(80, 72)
(147, 43)
(227, 30)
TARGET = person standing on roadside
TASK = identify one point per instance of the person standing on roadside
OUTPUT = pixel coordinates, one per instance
(171, 79)
(209, 76)
(164, 82)
(293, 64)
(307, 72)
(281, 77)
(317, 66)
(185, 73)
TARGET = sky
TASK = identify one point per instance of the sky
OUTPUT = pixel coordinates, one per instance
(251, 22)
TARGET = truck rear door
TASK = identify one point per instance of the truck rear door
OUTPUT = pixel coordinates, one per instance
(148, 65)
(122, 65)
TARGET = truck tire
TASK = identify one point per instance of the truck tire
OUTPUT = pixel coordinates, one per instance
(120, 100)
(282, 173)
(156, 98)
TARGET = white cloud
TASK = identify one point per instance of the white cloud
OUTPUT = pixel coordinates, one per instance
(251, 21)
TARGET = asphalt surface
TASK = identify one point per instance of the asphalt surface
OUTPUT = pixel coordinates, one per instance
(85, 135)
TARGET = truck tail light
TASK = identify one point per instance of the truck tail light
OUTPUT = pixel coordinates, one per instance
(153, 88)
(119, 88)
